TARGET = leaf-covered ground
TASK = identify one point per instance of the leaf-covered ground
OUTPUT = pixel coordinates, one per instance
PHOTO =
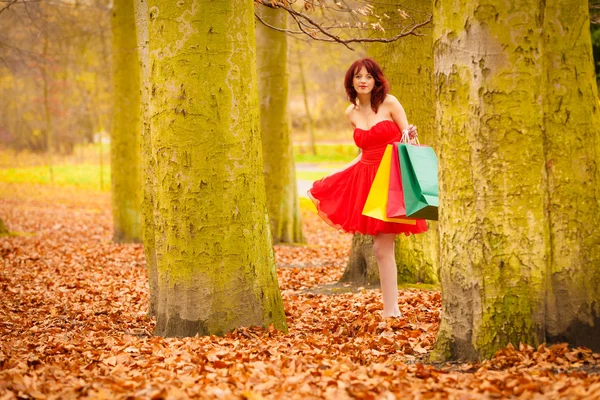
(73, 325)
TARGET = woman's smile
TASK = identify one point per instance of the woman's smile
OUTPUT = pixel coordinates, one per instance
(363, 81)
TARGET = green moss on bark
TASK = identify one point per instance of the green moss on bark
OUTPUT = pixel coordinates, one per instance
(492, 223)
(147, 156)
(572, 146)
(519, 259)
(279, 169)
(408, 65)
(125, 134)
(212, 241)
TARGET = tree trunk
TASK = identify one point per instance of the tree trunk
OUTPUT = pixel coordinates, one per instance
(279, 169)
(572, 145)
(309, 121)
(47, 117)
(408, 65)
(101, 122)
(125, 145)
(416, 257)
(3, 228)
(362, 265)
(147, 156)
(215, 264)
(519, 258)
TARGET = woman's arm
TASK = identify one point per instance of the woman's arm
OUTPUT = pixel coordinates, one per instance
(399, 116)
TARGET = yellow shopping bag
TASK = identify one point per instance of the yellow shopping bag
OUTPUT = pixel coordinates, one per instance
(376, 204)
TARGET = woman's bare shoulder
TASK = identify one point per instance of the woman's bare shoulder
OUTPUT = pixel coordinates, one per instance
(350, 111)
(392, 102)
(390, 99)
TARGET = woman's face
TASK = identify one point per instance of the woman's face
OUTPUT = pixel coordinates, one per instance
(363, 81)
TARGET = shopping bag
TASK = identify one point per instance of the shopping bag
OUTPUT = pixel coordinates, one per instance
(419, 170)
(395, 205)
(376, 204)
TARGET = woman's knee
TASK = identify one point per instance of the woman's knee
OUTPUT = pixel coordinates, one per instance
(377, 250)
(383, 247)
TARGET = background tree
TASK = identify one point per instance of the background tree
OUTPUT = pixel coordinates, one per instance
(317, 28)
(517, 116)
(279, 167)
(148, 160)
(215, 265)
(125, 133)
(408, 65)
(309, 120)
(595, 31)
(362, 268)
(53, 74)
(3, 228)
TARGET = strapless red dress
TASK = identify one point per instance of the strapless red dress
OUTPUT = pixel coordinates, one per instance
(340, 197)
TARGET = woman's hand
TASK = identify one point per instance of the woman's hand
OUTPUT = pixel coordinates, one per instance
(412, 131)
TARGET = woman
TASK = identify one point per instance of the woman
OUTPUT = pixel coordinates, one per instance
(378, 119)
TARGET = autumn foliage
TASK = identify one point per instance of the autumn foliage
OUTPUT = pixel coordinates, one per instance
(73, 325)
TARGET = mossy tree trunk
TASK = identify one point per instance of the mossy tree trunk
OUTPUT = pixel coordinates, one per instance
(125, 145)
(517, 117)
(147, 155)
(47, 114)
(214, 260)
(279, 169)
(572, 145)
(3, 228)
(309, 119)
(408, 65)
(362, 265)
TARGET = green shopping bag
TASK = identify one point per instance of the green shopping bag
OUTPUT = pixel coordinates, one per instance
(419, 169)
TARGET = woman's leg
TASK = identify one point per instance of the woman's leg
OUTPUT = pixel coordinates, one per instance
(383, 246)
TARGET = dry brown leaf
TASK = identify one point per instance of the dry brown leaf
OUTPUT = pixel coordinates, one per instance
(73, 325)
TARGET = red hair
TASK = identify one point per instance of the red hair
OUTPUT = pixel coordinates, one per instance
(381, 88)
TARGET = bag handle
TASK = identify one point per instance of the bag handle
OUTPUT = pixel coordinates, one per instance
(406, 139)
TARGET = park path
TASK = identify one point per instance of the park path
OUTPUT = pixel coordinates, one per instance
(305, 184)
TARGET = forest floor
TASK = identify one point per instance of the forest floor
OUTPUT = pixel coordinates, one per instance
(73, 325)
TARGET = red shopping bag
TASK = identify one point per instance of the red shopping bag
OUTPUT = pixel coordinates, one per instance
(395, 205)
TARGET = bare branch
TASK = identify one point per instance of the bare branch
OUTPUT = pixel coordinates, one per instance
(262, 21)
(9, 4)
(322, 30)
(411, 31)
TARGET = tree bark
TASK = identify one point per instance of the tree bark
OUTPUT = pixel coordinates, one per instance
(147, 156)
(408, 66)
(519, 257)
(125, 145)
(309, 120)
(3, 228)
(572, 146)
(101, 122)
(279, 168)
(47, 115)
(362, 265)
(215, 264)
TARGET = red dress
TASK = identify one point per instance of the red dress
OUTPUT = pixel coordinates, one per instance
(340, 197)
